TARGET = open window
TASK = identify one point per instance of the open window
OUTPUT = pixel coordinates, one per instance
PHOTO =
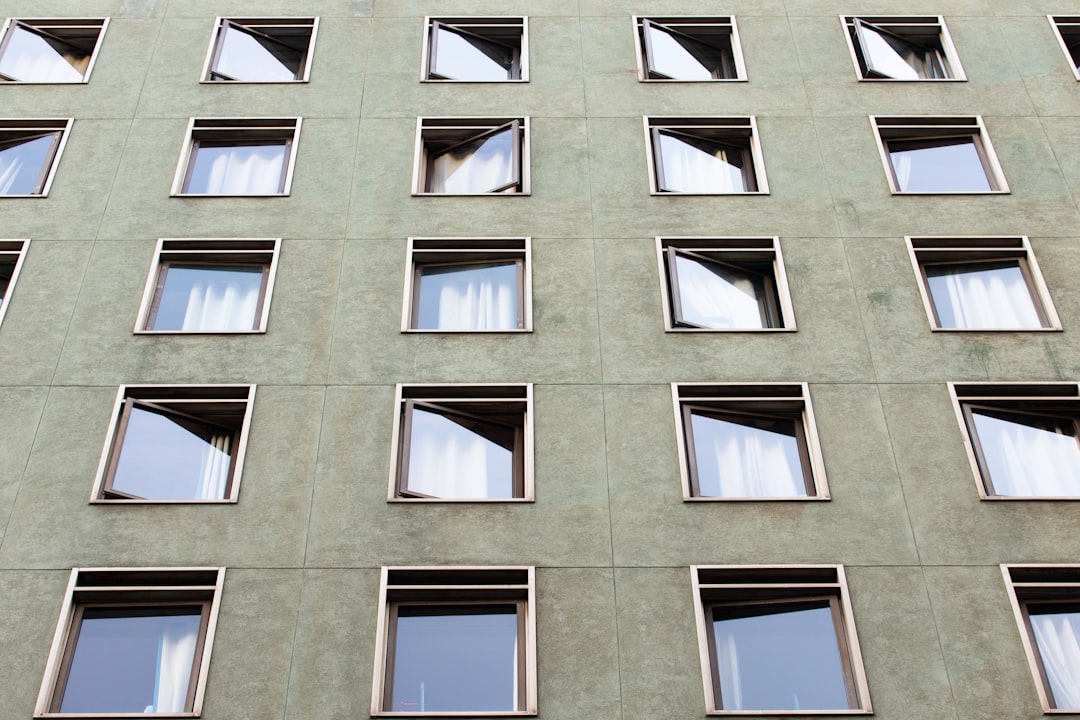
(1067, 29)
(472, 156)
(175, 443)
(902, 48)
(253, 50)
(704, 156)
(688, 49)
(938, 155)
(778, 640)
(50, 51)
(132, 643)
(463, 443)
(476, 49)
(12, 254)
(237, 157)
(29, 153)
(748, 442)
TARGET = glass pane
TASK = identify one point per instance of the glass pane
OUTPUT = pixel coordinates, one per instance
(132, 661)
(455, 659)
(779, 659)
(897, 58)
(679, 57)
(751, 457)
(7, 269)
(982, 295)
(162, 458)
(209, 299)
(235, 169)
(449, 460)
(466, 57)
(468, 297)
(24, 162)
(1057, 635)
(1029, 456)
(700, 167)
(31, 57)
(481, 166)
(938, 165)
(719, 296)
(251, 57)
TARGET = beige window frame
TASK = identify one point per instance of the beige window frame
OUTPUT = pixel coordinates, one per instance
(290, 33)
(200, 409)
(237, 132)
(139, 590)
(717, 34)
(444, 587)
(80, 34)
(974, 252)
(927, 33)
(752, 257)
(12, 255)
(511, 33)
(1067, 30)
(724, 134)
(437, 137)
(426, 253)
(15, 132)
(212, 255)
(501, 414)
(931, 128)
(727, 586)
(777, 408)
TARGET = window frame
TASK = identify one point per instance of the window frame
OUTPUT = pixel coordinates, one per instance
(466, 251)
(730, 128)
(641, 43)
(446, 586)
(448, 396)
(756, 401)
(55, 24)
(40, 127)
(209, 253)
(18, 250)
(160, 397)
(730, 585)
(470, 129)
(977, 249)
(427, 56)
(1073, 22)
(252, 25)
(244, 130)
(884, 23)
(932, 127)
(135, 588)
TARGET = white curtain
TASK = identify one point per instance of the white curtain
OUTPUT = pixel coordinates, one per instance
(989, 300)
(176, 653)
(215, 467)
(479, 303)
(9, 171)
(245, 171)
(1028, 461)
(708, 299)
(687, 168)
(220, 307)
(749, 462)
(727, 657)
(30, 58)
(244, 57)
(474, 169)
(1056, 636)
(445, 459)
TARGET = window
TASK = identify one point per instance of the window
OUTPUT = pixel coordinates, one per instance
(12, 253)
(705, 156)
(1022, 438)
(209, 286)
(902, 48)
(778, 640)
(132, 641)
(261, 50)
(238, 157)
(472, 156)
(717, 284)
(456, 641)
(175, 443)
(476, 49)
(988, 283)
(748, 442)
(688, 48)
(468, 285)
(29, 153)
(1067, 29)
(463, 442)
(49, 51)
(938, 155)
(1046, 603)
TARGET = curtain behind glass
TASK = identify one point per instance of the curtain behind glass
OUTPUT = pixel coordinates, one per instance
(237, 169)
(897, 58)
(217, 300)
(448, 460)
(938, 165)
(468, 297)
(687, 167)
(1026, 460)
(738, 460)
(465, 56)
(31, 57)
(1059, 648)
(23, 162)
(254, 57)
(982, 296)
(176, 653)
(716, 296)
(482, 166)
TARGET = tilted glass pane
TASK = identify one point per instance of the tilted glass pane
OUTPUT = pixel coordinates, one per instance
(482, 166)
(679, 57)
(449, 460)
(938, 165)
(752, 457)
(455, 659)
(982, 295)
(250, 57)
(468, 297)
(467, 57)
(162, 458)
(209, 299)
(24, 162)
(894, 57)
(31, 57)
(788, 659)
(238, 169)
(1057, 635)
(132, 661)
(700, 167)
(719, 296)
(1029, 456)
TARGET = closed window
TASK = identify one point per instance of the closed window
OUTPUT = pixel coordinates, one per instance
(1067, 29)
(456, 641)
(902, 48)
(778, 640)
(132, 642)
(478, 49)
(12, 253)
(938, 155)
(209, 286)
(688, 48)
(471, 156)
(463, 442)
(49, 51)
(248, 50)
(175, 443)
(231, 157)
(29, 153)
(705, 156)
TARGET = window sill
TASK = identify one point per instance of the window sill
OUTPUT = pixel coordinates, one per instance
(795, 498)
(949, 192)
(436, 81)
(486, 501)
(214, 195)
(199, 332)
(786, 713)
(433, 331)
(996, 330)
(133, 501)
(253, 82)
(1029, 498)
(728, 331)
(677, 80)
(912, 80)
(495, 194)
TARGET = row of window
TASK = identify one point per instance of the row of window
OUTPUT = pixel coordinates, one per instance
(777, 639)
(495, 49)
